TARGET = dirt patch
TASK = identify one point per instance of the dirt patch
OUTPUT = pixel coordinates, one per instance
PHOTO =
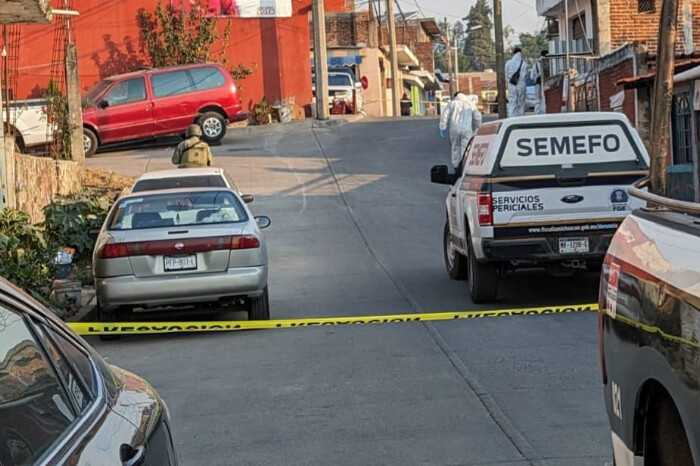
(109, 182)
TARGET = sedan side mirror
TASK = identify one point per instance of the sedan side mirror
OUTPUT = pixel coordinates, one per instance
(263, 221)
(247, 198)
(104, 104)
(440, 175)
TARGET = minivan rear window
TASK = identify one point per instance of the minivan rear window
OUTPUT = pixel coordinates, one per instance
(208, 181)
(207, 78)
(534, 145)
(171, 83)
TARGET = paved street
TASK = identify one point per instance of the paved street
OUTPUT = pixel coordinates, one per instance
(357, 230)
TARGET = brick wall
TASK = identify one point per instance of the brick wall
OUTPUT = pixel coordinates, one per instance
(424, 53)
(344, 29)
(553, 94)
(627, 25)
(608, 88)
(475, 84)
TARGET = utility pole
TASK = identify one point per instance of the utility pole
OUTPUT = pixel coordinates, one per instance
(457, 89)
(75, 109)
(449, 57)
(500, 59)
(393, 56)
(320, 59)
(569, 94)
(663, 95)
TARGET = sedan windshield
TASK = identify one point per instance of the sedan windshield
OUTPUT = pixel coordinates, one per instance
(91, 96)
(177, 209)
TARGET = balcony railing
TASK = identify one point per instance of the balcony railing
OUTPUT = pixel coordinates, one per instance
(557, 65)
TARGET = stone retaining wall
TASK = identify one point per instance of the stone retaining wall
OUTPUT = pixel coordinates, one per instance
(36, 180)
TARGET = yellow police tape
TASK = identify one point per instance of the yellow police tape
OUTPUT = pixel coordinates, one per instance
(131, 328)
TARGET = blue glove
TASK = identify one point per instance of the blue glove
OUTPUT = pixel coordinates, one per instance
(442, 133)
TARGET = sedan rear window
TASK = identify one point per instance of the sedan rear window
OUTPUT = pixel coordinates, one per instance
(176, 209)
(209, 181)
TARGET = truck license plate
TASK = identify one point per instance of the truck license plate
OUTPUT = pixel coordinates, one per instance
(573, 245)
(181, 262)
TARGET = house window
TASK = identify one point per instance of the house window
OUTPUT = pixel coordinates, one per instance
(646, 6)
(681, 130)
(578, 27)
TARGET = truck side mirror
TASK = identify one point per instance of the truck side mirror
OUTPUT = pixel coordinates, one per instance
(104, 104)
(440, 175)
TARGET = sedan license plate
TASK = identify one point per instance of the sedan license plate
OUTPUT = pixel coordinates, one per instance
(181, 262)
(573, 245)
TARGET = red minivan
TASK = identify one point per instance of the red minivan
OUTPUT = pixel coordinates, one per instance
(161, 101)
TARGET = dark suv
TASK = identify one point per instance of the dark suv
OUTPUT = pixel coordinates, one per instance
(60, 403)
(161, 101)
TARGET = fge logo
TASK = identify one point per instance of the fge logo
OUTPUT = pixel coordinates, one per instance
(619, 200)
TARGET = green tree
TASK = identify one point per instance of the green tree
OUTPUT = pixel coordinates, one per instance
(532, 45)
(479, 47)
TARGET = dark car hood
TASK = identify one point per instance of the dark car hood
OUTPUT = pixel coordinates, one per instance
(138, 402)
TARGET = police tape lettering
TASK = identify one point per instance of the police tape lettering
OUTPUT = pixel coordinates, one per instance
(136, 328)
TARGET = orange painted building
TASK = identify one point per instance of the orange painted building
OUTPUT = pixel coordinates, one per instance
(108, 39)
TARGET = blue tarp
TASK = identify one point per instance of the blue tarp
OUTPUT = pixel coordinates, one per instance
(340, 61)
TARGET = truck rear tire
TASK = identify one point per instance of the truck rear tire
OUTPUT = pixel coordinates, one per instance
(483, 278)
(666, 442)
(455, 262)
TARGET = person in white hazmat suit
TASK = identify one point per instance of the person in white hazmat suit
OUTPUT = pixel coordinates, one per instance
(516, 74)
(463, 118)
(537, 75)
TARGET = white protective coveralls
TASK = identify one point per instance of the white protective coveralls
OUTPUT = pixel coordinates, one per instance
(463, 117)
(516, 93)
(535, 73)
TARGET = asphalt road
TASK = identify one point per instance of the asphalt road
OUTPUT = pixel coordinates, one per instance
(357, 230)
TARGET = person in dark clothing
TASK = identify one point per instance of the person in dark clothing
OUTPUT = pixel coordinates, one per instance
(406, 105)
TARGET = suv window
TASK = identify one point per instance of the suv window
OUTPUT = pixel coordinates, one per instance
(339, 80)
(73, 365)
(172, 83)
(207, 78)
(209, 181)
(131, 90)
(34, 409)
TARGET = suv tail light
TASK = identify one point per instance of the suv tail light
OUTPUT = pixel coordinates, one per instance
(484, 209)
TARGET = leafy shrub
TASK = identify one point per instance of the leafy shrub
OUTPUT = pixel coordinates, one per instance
(25, 255)
(68, 221)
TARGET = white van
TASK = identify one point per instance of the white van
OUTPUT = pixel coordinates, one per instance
(539, 191)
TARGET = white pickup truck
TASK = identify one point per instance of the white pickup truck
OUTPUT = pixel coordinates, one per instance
(539, 191)
(28, 122)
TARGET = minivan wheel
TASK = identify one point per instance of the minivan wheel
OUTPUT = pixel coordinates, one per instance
(260, 307)
(455, 262)
(483, 278)
(89, 142)
(213, 126)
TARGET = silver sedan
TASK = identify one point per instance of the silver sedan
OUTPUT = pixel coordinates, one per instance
(163, 249)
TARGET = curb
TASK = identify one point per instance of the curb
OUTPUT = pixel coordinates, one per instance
(308, 123)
